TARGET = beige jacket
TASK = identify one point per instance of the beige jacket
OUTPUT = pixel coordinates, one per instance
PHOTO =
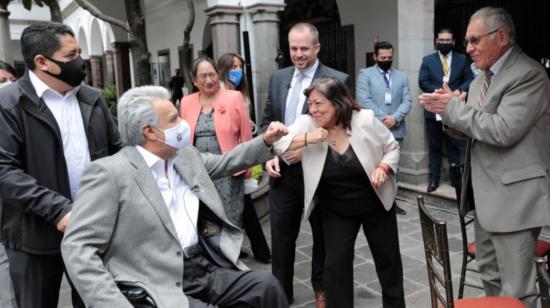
(370, 139)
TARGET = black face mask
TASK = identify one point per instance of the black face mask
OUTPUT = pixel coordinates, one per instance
(444, 48)
(72, 72)
(385, 65)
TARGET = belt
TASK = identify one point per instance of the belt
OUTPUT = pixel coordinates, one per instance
(192, 251)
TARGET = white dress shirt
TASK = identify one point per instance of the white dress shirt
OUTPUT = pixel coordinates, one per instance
(495, 68)
(66, 111)
(306, 82)
(181, 201)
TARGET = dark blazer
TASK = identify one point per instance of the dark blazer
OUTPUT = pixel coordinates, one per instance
(430, 76)
(278, 91)
(34, 184)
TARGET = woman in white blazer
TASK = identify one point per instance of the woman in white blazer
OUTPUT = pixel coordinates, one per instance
(349, 161)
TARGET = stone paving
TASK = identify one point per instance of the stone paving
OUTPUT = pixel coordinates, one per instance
(367, 289)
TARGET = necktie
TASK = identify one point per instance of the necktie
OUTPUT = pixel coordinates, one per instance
(294, 96)
(445, 66)
(486, 83)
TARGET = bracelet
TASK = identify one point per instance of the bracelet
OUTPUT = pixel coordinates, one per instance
(305, 140)
(386, 169)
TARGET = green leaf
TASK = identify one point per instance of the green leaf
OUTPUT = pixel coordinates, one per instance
(40, 3)
(27, 4)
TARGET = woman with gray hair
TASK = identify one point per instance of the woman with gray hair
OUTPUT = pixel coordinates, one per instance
(349, 161)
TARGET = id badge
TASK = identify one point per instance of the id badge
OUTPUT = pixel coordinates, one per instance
(388, 98)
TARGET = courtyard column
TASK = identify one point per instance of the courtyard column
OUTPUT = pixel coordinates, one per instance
(123, 78)
(5, 39)
(266, 43)
(415, 32)
(96, 63)
(224, 20)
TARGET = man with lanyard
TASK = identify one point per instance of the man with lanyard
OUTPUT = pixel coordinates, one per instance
(386, 92)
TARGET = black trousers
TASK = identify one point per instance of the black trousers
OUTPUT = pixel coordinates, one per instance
(207, 285)
(286, 203)
(254, 231)
(37, 278)
(435, 140)
(380, 227)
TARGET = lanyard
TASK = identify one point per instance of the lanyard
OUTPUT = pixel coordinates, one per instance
(386, 81)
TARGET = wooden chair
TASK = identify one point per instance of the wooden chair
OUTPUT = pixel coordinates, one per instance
(467, 255)
(469, 249)
(543, 277)
(436, 247)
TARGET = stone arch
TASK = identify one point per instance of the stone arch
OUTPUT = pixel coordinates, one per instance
(83, 40)
(96, 39)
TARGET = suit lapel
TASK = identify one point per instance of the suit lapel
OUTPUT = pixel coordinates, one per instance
(200, 183)
(150, 189)
(454, 68)
(317, 74)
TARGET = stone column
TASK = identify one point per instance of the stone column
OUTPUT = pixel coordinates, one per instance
(224, 20)
(415, 20)
(5, 39)
(123, 80)
(109, 68)
(96, 63)
(266, 44)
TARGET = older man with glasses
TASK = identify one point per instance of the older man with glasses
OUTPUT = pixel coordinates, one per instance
(507, 122)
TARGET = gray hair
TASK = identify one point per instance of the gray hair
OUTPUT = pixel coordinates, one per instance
(306, 26)
(135, 110)
(496, 18)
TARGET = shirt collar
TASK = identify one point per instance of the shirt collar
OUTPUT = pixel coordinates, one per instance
(310, 71)
(153, 160)
(449, 55)
(382, 71)
(40, 87)
(495, 68)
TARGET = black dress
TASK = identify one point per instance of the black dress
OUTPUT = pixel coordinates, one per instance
(349, 201)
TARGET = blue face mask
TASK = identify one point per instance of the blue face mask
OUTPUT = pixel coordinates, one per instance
(235, 76)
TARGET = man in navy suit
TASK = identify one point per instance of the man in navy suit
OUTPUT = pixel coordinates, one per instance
(442, 66)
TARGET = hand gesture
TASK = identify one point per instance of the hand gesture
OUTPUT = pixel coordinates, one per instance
(389, 121)
(62, 224)
(317, 135)
(275, 131)
(272, 167)
(378, 177)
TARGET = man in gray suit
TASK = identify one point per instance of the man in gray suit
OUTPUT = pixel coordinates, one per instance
(507, 121)
(286, 101)
(150, 217)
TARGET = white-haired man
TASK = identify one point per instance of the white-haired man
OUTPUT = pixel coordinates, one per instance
(150, 217)
(507, 120)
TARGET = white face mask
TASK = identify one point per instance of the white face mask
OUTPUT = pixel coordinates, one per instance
(178, 136)
(5, 83)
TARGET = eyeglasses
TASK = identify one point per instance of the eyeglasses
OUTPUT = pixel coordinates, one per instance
(204, 77)
(474, 40)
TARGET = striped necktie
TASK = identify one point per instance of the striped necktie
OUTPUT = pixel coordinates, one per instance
(486, 84)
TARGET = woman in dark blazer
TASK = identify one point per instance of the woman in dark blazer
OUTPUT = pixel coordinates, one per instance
(349, 161)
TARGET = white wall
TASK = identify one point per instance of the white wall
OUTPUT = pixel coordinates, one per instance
(165, 21)
(371, 18)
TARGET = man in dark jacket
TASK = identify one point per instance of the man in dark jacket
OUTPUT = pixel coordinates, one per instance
(51, 127)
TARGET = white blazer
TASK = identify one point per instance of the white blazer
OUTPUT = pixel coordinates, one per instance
(372, 142)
